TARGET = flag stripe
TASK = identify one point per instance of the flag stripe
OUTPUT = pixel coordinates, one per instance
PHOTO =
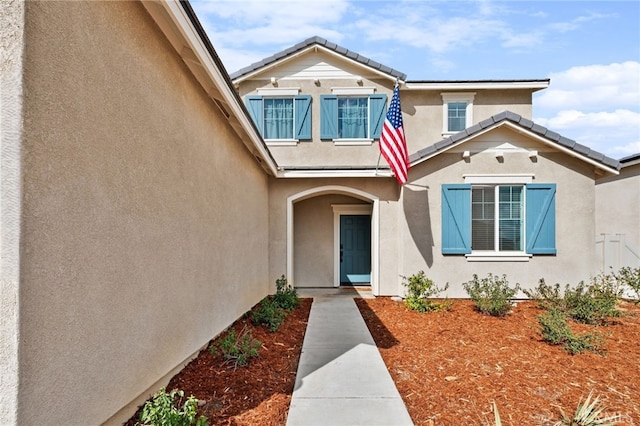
(393, 146)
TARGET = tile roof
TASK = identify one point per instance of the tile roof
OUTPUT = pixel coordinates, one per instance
(326, 44)
(521, 122)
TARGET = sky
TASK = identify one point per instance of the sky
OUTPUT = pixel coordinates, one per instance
(589, 49)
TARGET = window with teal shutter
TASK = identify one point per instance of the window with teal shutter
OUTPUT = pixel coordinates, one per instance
(281, 118)
(456, 219)
(352, 117)
(486, 218)
(541, 218)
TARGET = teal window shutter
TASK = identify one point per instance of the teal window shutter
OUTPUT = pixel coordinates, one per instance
(254, 106)
(328, 117)
(456, 219)
(541, 218)
(303, 117)
(377, 112)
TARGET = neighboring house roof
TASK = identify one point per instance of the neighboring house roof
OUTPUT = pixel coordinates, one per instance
(529, 127)
(630, 160)
(308, 44)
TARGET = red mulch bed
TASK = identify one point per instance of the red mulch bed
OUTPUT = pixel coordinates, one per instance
(448, 366)
(258, 394)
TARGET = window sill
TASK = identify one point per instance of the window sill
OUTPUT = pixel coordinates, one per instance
(352, 142)
(498, 257)
(281, 142)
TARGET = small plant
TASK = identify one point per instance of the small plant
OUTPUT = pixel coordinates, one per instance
(268, 314)
(556, 331)
(588, 414)
(546, 296)
(593, 304)
(168, 409)
(629, 278)
(419, 290)
(237, 350)
(286, 296)
(492, 295)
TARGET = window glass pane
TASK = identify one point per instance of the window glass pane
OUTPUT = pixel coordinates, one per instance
(482, 218)
(278, 118)
(457, 116)
(510, 217)
(353, 118)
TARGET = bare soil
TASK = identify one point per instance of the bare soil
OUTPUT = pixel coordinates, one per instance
(448, 366)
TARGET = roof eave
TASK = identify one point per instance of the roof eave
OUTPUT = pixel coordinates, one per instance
(533, 85)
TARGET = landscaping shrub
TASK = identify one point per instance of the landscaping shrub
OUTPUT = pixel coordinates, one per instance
(492, 295)
(588, 414)
(237, 350)
(269, 314)
(419, 290)
(286, 296)
(630, 278)
(556, 331)
(593, 304)
(167, 409)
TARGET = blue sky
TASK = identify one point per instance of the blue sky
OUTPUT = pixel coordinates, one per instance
(589, 49)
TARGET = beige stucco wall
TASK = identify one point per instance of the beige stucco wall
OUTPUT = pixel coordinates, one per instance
(422, 109)
(575, 225)
(145, 220)
(410, 221)
(618, 204)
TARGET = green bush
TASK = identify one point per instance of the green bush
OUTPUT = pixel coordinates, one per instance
(492, 295)
(593, 304)
(556, 331)
(629, 278)
(546, 296)
(167, 409)
(419, 290)
(286, 296)
(237, 350)
(269, 314)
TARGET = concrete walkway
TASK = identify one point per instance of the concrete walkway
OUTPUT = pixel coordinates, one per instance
(341, 378)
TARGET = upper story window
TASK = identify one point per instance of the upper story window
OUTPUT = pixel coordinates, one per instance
(352, 116)
(281, 115)
(457, 111)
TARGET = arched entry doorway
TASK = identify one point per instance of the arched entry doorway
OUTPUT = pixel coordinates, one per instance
(370, 209)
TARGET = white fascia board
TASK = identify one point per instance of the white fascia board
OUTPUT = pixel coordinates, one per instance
(297, 174)
(451, 85)
(183, 27)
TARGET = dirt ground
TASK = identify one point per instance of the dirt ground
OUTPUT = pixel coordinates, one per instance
(449, 367)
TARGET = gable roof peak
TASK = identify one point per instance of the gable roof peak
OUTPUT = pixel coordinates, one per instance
(317, 41)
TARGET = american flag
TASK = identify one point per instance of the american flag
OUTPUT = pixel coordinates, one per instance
(392, 143)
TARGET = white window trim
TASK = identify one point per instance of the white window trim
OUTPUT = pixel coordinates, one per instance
(281, 142)
(279, 91)
(467, 97)
(341, 91)
(501, 180)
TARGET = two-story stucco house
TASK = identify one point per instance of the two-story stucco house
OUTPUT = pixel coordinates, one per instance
(148, 199)
(489, 191)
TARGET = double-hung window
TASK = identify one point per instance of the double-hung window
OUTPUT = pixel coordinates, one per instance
(499, 220)
(352, 116)
(457, 111)
(282, 119)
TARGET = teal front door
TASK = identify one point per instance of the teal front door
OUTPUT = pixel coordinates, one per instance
(355, 249)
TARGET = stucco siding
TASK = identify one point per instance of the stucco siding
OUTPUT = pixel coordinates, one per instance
(422, 237)
(145, 219)
(618, 204)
